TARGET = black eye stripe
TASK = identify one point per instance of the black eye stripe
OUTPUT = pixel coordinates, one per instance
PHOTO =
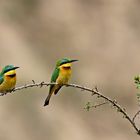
(67, 68)
(12, 75)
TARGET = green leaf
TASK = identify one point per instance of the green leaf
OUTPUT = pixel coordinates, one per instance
(88, 106)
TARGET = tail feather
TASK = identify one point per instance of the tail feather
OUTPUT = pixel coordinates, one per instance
(56, 90)
(47, 99)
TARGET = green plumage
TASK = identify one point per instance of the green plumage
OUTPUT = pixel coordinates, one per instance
(7, 79)
(1, 79)
(55, 77)
(56, 73)
(4, 70)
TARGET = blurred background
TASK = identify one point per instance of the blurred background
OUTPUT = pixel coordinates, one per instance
(103, 35)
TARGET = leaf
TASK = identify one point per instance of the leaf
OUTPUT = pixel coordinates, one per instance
(88, 106)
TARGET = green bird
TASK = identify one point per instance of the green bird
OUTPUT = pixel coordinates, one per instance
(61, 75)
(7, 79)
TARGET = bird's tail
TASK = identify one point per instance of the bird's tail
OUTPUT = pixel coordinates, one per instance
(47, 99)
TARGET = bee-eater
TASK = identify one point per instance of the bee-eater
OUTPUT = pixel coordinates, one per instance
(7, 79)
(61, 75)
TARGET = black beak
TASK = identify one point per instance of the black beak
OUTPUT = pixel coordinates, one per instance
(74, 60)
(15, 68)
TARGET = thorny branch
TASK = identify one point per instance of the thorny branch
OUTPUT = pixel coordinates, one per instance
(93, 93)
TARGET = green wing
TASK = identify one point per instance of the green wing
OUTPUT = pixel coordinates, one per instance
(1, 79)
(54, 77)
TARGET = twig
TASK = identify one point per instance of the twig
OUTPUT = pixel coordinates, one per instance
(97, 105)
(137, 113)
(93, 92)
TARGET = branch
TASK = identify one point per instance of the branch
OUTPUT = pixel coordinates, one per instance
(93, 92)
(113, 102)
(137, 113)
(97, 105)
(88, 105)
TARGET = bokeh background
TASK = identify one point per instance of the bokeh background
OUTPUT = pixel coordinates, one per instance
(103, 34)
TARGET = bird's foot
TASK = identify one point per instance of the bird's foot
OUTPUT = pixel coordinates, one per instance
(11, 90)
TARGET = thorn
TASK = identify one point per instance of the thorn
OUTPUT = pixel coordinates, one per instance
(41, 84)
(115, 101)
(93, 93)
(33, 81)
(124, 109)
(96, 89)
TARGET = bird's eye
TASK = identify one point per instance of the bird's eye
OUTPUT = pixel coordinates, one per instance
(12, 75)
(66, 68)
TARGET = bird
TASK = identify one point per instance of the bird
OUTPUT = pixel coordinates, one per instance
(61, 76)
(7, 79)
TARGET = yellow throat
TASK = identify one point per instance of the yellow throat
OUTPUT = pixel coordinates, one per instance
(64, 74)
(9, 81)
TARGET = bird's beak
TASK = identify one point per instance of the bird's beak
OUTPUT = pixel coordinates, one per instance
(74, 60)
(15, 68)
